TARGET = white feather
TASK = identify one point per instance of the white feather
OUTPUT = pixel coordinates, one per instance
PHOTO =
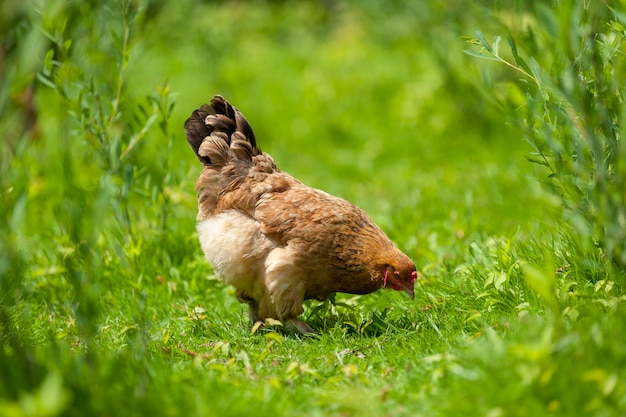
(233, 244)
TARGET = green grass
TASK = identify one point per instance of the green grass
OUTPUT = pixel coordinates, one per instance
(107, 306)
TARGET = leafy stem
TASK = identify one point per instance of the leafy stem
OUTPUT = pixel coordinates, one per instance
(493, 51)
(124, 51)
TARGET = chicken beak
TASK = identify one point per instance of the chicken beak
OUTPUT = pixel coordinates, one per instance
(410, 290)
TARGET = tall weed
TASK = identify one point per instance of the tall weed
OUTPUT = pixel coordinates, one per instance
(69, 204)
(571, 61)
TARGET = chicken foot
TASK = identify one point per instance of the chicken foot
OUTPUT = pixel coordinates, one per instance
(295, 325)
(291, 325)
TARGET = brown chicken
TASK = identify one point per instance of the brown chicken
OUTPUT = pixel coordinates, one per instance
(278, 241)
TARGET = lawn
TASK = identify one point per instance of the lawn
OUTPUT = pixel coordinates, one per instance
(484, 138)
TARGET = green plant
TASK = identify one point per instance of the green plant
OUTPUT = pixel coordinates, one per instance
(107, 306)
(572, 114)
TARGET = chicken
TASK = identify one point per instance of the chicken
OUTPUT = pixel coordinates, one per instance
(276, 240)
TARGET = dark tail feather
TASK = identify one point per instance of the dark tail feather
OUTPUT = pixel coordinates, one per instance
(219, 122)
(197, 130)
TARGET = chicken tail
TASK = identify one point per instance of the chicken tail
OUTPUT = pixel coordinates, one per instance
(218, 133)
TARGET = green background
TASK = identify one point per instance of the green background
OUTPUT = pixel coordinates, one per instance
(107, 306)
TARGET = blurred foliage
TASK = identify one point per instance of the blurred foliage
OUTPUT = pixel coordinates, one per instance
(107, 307)
(573, 113)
